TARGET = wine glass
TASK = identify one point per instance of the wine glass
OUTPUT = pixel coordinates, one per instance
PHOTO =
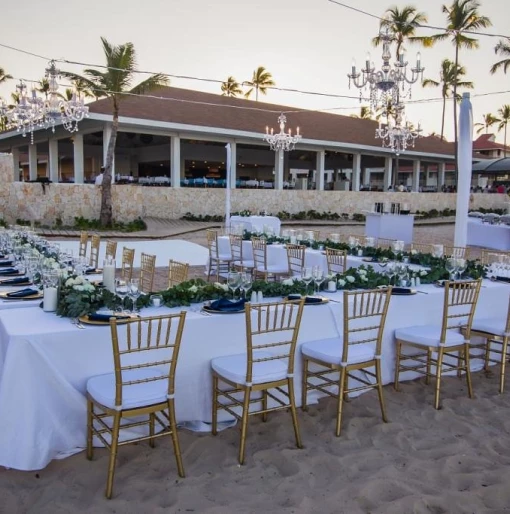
(134, 291)
(233, 281)
(451, 267)
(306, 277)
(461, 266)
(318, 277)
(246, 282)
(121, 290)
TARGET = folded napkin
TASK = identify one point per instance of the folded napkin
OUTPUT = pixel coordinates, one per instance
(88, 271)
(8, 271)
(401, 290)
(502, 279)
(98, 316)
(5, 263)
(227, 305)
(15, 280)
(28, 291)
(308, 299)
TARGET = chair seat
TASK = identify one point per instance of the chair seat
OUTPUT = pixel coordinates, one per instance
(244, 263)
(330, 351)
(428, 335)
(223, 257)
(102, 389)
(273, 268)
(233, 368)
(495, 326)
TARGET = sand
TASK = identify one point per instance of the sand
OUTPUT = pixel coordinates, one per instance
(455, 460)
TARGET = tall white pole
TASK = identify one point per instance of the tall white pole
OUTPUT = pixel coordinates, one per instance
(465, 170)
(227, 185)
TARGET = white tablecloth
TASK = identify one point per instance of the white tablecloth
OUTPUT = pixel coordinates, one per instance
(257, 223)
(390, 226)
(481, 234)
(45, 362)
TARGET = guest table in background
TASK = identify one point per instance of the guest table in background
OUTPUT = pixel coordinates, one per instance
(486, 235)
(257, 223)
(390, 226)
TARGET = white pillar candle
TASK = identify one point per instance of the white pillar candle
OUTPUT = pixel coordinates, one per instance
(331, 285)
(109, 277)
(50, 300)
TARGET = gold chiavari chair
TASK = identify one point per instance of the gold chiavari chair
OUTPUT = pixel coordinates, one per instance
(430, 344)
(128, 256)
(422, 247)
(337, 261)
(219, 263)
(385, 243)
(494, 256)
(362, 240)
(358, 349)
(493, 331)
(84, 240)
(265, 370)
(295, 258)
(177, 272)
(238, 260)
(459, 252)
(262, 268)
(95, 243)
(147, 271)
(145, 353)
(111, 249)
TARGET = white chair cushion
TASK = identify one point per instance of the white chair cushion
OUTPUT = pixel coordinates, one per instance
(274, 268)
(428, 335)
(102, 389)
(330, 351)
(224, 257)
(494, 326)
(245, 263)
(233, 368)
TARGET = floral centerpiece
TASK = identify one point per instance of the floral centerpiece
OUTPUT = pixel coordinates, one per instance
(79, 297)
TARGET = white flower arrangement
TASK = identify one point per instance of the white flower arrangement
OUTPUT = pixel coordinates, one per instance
(193, 289)
(341, 282)
(414, 251)
(362, 273)
(423, 273)
(288, 282)
(223, 287)
(350, 279)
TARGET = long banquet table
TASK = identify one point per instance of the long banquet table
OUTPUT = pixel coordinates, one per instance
(257, 223)
(45, 362)
(485, 235)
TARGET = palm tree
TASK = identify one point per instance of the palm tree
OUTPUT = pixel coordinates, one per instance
(365, 113)
(260, 81)
(488, 120)
(231, 87)
(43, 87)
(502, 48)
(4, 76)
(504, 118)
(448, 76)
(113, 83)
(462, 17)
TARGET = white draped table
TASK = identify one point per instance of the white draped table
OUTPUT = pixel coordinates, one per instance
(496, 237)
(45, 362)
(257, 223)
(390, 226)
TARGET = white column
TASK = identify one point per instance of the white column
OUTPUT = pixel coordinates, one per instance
(416, 176)
(53, 159)
(32, 161)
(107, 132)
(279, 159)
(356, 171)
(175, 161)
(233, 164)
(441, 171)
(319, 170)
(78, 158)
(15, 165)
(388, 168)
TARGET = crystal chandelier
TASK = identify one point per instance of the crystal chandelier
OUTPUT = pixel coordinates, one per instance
(390, 84)
(282, 141)
(397, 136)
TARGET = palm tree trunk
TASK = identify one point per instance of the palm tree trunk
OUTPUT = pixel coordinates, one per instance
(256, 93)
(442, 118)
(455, 128)
(106, 215)
(504, 151)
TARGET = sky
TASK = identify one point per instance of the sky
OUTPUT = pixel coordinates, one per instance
(306, 44)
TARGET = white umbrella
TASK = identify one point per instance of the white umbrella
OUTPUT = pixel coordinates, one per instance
(465, 168)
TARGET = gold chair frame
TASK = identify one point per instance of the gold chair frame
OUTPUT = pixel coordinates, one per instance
(336, 260)
(316, 234)
(219, 265)
(177, 272)
(457, 296)
(262, 319)
(111, 249)
(422, 247)
(295, 258)
(95, 243)
(128, 257)
(147, 271)
(370, 305)
(159, 338)
(259, 246)
(502, 349)
(84, 241)
(236, 248)
(487, 253)
(386, 243)
(459, 252)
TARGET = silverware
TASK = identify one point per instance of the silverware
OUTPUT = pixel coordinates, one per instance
(422, 292)
(77, 323)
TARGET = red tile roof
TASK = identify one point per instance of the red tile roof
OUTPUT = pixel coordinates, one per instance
(487, 142)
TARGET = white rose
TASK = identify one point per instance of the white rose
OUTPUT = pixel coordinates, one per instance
(423, 272)
(79, 288)
(193, 289)
(288, 282)
(88, 287)
(223, 287)
(79, 280)
(349, 278)
(414, 252)
(364, 278)
(362, 272)
(341, 282)
(70, 282)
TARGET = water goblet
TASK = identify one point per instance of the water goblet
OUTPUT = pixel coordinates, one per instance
(121, 290)
(451, 267)
(306, 277)
(233, 281)
(318, 277)
(461, 265)
(246, 282)
(134, 292)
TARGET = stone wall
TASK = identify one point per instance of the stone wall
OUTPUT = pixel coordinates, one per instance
(66, 201)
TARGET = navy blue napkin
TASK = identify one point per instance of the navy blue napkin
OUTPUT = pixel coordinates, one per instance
(8, 271)
(503, 279)
(89, 271)
(97, 316)
(401, 290)
(308, 299)
(15, 280)
(28, 291)
(5, 263)
(223, 304)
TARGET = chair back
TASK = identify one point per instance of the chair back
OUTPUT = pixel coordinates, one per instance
(236, 248)
(128, 256)
(315, 235)
(459, 306)
(111, 249)
(272, 328)
(84, 239)
(177, 272)
(337, 260)
(385, 243)
(364, 319)
(259, 252)
(212, 243)
(422, 247)
(150, 343)
(459, 252)
(494, 256)
(147, 270)
(295, 258)
(95, 243)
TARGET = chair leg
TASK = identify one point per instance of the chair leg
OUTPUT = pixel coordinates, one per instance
(341, 389)
(215, 406)
(209, 270)
(113, 454)
(397, 366)
(151, 429)
(439, 370)
(304, 385)
(468, 370)
(90, 421)
(380, 389)
(175, 438)
(293, 411)
(504, 349)
(487, 354)
(460, 365)
(244, 423)
(264, 405)
(429, 359)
